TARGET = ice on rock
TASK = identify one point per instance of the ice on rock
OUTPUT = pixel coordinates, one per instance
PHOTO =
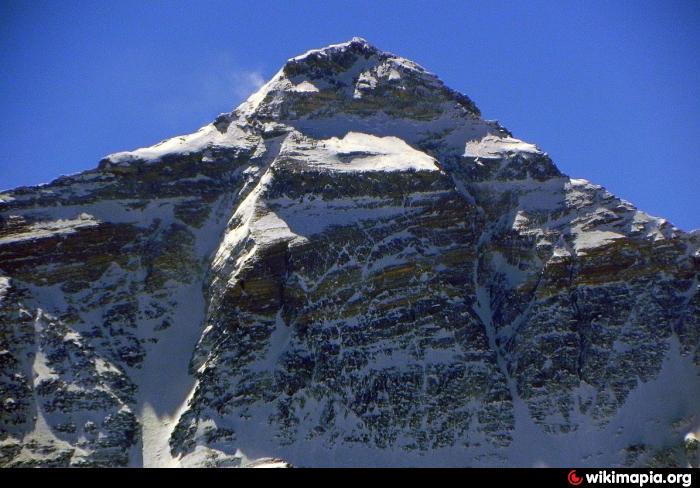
(351, 268)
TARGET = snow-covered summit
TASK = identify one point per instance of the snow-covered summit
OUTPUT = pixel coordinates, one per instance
(350, 268)
(341, 88)
(355, 72)
(352, 50)
(357, 44)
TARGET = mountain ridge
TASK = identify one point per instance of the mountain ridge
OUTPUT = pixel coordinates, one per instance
(351, 267)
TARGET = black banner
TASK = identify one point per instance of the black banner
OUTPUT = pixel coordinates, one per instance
(568, 477)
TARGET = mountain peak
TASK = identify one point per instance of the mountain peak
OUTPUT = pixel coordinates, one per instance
(351, 268)
(341, 88)
(355, 79)
(354, 45)
(354, 58)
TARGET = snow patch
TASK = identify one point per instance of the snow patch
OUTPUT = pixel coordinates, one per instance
(586, 240)
(4, 287)
(304, 87)
(495, 147)
(205, 137)
(365, 152)
(40, 230)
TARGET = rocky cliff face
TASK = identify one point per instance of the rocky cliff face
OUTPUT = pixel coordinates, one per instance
(351, 268)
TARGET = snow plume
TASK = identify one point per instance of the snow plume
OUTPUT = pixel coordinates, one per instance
(247, 82)
(228, 81)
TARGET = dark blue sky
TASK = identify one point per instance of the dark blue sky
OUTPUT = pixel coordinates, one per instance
(610, 89)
